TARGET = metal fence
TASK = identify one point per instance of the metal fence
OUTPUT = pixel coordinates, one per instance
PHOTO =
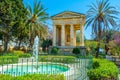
(72, 69)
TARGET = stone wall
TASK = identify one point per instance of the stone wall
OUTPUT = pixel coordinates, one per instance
(115, 59)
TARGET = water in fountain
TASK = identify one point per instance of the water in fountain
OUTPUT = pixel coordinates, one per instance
(36, 51)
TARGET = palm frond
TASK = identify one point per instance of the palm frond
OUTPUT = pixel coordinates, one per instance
(100, 16)
(30, 12)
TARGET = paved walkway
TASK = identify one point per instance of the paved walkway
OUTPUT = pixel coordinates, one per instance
(80, 70)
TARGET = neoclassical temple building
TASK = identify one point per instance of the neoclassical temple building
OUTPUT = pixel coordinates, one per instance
(65, 25)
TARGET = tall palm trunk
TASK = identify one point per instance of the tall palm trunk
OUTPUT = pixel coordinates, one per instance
(106, 47)
(99, 37)
(6, 42)
(31, 40)
(98, 46)
(19, 43)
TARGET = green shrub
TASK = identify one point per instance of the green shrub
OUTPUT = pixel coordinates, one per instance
(93, 44)
(116, 51)
(20, 55)
(5, 77)
(101, 56)
(95, 65)
(55, 50)
(25, 55)
(9, 54)
(103, 70)
(76, 51)
(18, 52)
(61, 59)
(8, 59)
(33, 77)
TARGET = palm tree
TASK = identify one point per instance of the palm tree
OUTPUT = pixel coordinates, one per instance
(37, 16)
(101, 15)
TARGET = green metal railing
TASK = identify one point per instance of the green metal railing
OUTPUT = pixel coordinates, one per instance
(73, 69)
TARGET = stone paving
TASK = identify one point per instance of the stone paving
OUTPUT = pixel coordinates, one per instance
(80, 70)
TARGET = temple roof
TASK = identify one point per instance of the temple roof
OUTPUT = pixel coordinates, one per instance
(68, 14)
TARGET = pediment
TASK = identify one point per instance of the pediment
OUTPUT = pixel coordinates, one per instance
(68, 14)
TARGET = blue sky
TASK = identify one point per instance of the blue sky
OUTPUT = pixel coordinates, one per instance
(56, 6)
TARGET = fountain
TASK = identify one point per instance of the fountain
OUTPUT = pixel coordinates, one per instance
(34, 66)
(36, 51)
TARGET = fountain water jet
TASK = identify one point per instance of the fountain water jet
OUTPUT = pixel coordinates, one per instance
(36, 51)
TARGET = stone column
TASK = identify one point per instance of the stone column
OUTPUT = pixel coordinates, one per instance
(72, 35)
(82, 36)
(62, 35)
(54, 35)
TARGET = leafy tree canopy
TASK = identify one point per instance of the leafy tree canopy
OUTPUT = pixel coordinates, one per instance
(12, 13)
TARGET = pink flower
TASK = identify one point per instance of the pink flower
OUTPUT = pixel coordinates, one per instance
(117, 39)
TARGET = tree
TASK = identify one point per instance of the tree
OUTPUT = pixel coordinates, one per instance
(9, 12)
(20, 33)
(100, 16)
(118, 25)
(19, 30)
(37, 16)
(105, 36)
(117, 39)
(46, 43)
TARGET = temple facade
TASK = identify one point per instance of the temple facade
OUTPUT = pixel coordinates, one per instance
(65, 25)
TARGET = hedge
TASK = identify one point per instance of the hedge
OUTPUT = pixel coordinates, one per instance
(76, 51)
(103, 70)
(25, 55)
(33, 77)
(8, 59)
(20, 55)
(61, 59)
(55, 51)
(18, 52)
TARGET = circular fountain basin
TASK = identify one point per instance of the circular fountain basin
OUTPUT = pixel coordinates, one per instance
(43, 68)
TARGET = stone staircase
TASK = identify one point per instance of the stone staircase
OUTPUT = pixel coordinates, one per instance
(67, 50)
